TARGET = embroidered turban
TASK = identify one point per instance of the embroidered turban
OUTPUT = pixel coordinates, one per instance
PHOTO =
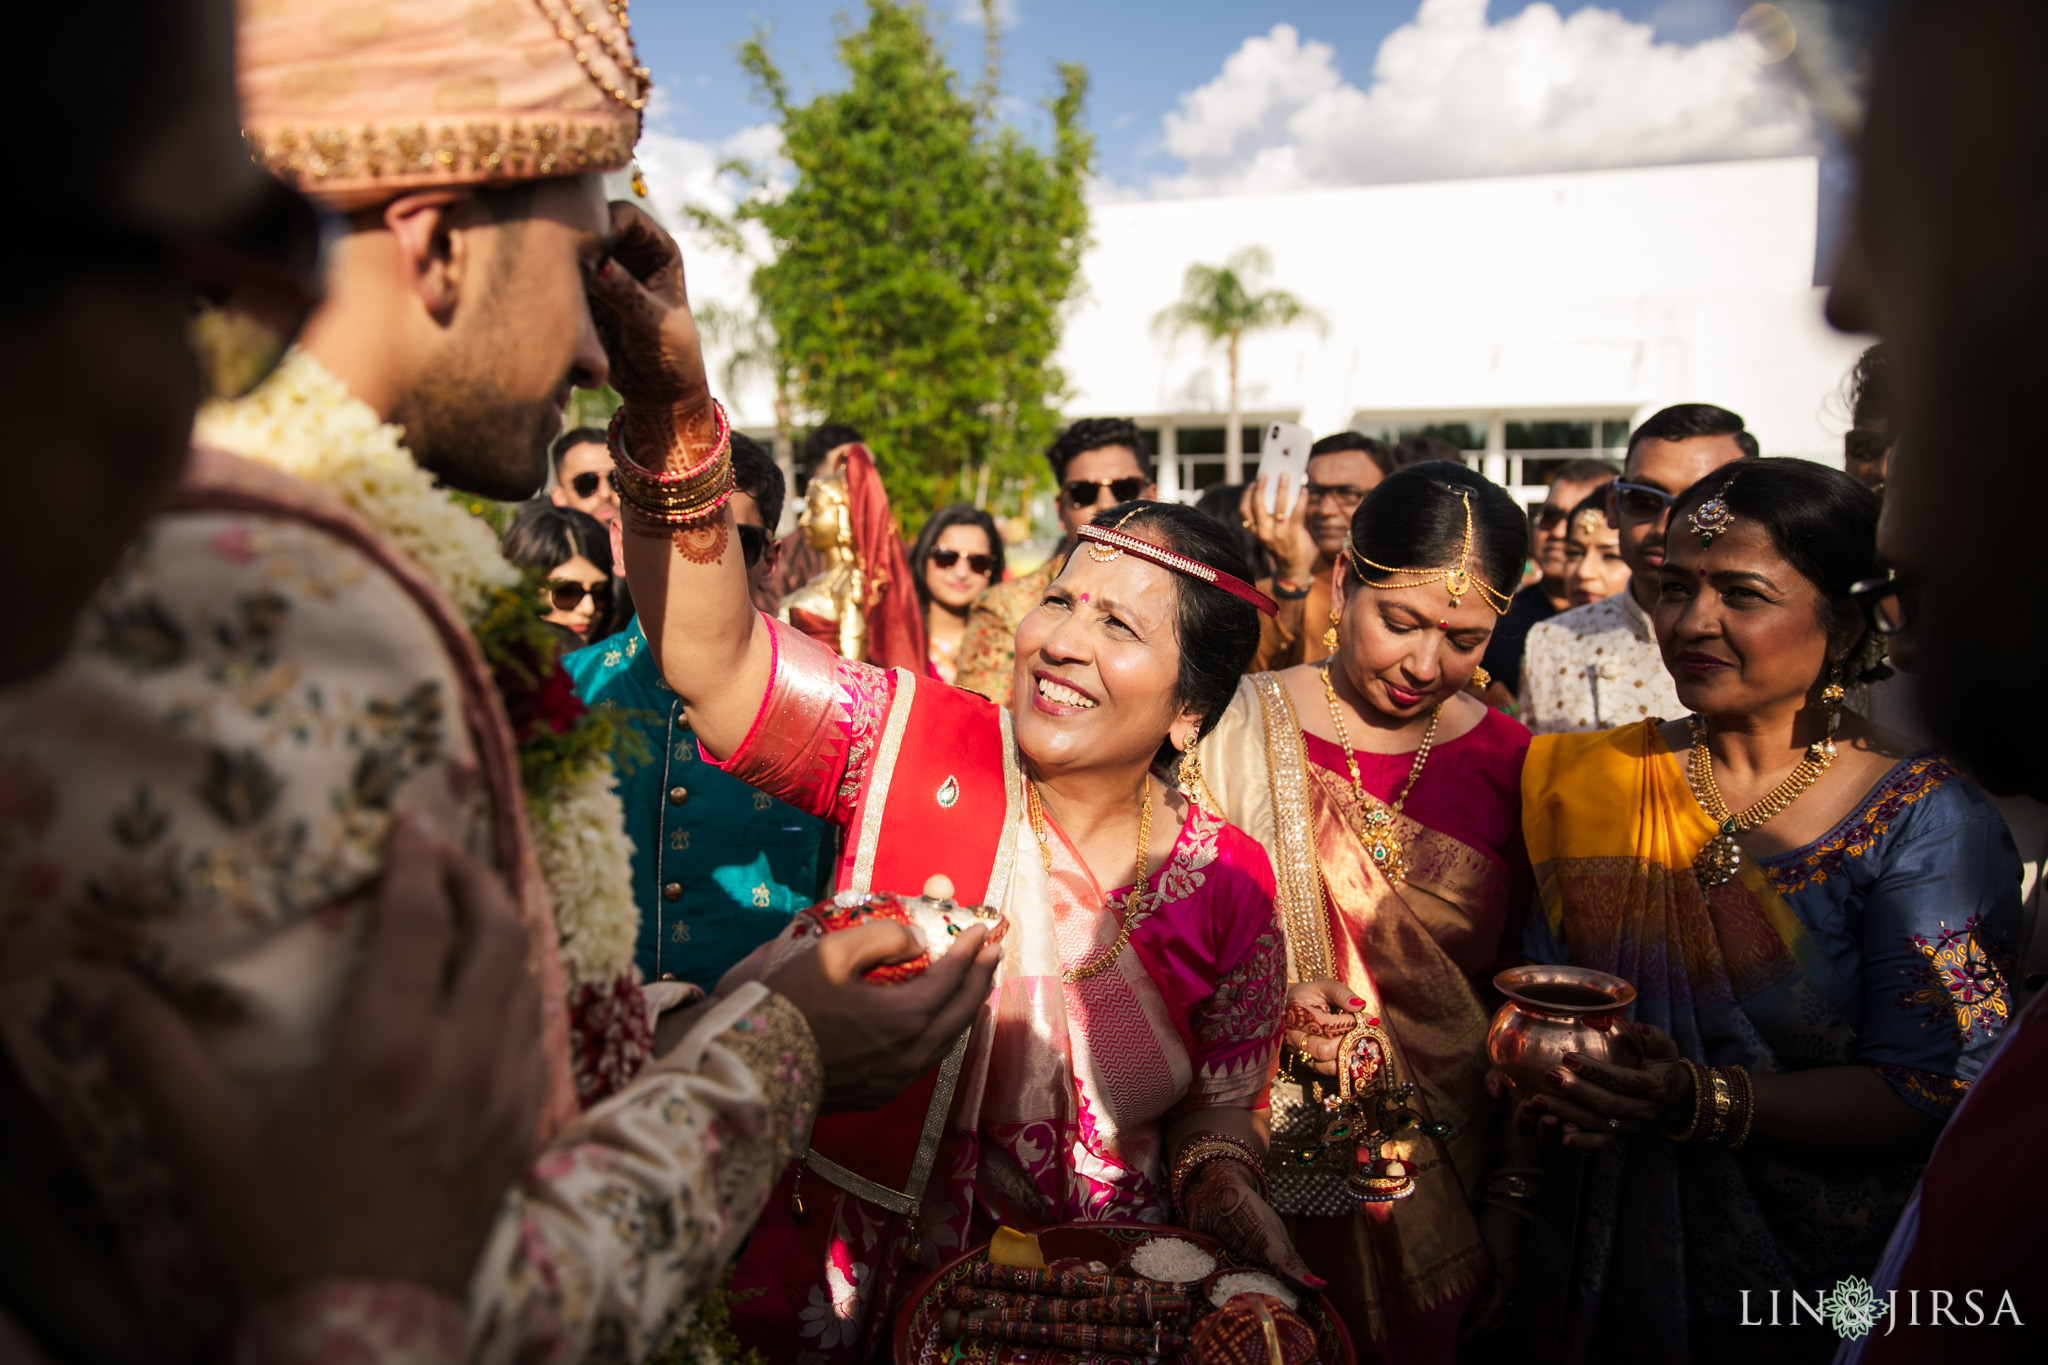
(355, 101)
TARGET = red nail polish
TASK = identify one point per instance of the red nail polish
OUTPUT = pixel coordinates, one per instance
(1539, 1104)
(1558, 1074)
(604, 272)
(1356, 1003)
(1315, 1281)
(1573, 1060)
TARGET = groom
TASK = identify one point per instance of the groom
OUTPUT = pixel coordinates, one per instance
(281, 666)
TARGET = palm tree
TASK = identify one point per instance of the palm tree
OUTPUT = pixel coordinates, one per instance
(1223, 304)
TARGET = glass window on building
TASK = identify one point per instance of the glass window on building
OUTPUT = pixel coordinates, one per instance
(1551, 435)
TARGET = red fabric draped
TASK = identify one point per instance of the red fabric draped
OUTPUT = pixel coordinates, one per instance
(895, 620)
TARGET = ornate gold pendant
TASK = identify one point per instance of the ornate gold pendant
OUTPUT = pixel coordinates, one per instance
(1376, 832)
(1719, 860)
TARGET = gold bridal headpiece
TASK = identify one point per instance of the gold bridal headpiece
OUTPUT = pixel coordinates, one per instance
(1714, 516)
(1457, 581)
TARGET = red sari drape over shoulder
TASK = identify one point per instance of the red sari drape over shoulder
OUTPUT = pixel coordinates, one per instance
(1057, 1092)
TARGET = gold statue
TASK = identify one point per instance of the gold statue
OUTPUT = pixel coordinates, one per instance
(828, 608)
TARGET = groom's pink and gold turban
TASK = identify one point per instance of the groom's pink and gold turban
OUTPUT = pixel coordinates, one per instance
(355, 101)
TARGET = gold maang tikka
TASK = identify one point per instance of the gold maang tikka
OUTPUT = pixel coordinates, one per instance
(1713, 517)
(1103, 554)
(1457, 581)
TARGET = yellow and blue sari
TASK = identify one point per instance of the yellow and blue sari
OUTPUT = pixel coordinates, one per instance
(1884, 943)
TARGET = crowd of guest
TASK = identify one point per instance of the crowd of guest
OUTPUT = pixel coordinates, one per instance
(430, 937)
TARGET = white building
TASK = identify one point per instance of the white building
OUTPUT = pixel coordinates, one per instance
(1530, 318)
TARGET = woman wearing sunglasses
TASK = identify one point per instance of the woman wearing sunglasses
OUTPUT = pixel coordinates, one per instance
(957, 555)
(575, 553)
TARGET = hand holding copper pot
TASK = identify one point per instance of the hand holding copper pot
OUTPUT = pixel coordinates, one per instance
(1577, 1068)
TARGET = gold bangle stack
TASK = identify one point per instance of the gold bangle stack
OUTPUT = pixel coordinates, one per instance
(1723, 1105)
(674, 499)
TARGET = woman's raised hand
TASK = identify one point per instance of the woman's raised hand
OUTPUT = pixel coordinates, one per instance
(1223, 1200)
(1587, 1104)
(1318, 1015)
(643, 318)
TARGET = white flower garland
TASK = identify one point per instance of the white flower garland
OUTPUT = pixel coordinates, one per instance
(304, 422)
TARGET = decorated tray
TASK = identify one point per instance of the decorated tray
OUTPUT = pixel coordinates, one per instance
(922, 1338)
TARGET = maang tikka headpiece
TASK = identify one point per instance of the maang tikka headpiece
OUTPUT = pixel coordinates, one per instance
(1458, 581)
(1714, 516)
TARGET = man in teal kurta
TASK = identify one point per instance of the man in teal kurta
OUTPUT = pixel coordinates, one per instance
(718, 867)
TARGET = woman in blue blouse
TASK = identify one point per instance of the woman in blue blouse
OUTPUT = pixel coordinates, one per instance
(1817, 919)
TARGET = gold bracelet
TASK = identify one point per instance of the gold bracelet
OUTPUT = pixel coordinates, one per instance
(1724, 1099)
(697, 500)
(697, 485)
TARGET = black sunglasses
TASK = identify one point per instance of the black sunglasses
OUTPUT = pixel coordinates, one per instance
(753, 542)
(1549, 515)
(981, 564)
(567, 595)
(1641, 501)
(586, 483)
(1084, 492)
(1889, 602)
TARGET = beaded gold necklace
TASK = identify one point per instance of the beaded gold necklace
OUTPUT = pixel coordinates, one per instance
(1129, 917)
(1376, 826)
(1721, 857)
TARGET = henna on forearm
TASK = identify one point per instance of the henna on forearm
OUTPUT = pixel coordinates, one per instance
(1301, 1019)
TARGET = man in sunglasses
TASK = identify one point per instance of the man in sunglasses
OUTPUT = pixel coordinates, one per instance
(583, 474)
(1097, 463)
(718, 867)
(1597, 666)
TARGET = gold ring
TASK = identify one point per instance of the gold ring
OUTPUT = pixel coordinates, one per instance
(1247, 523)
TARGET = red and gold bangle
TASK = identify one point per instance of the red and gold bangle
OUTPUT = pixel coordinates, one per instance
(704, 492)
(721, 444)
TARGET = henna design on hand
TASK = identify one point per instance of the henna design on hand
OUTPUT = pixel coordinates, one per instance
(1301, 1019)
(1224, 1203)
(702, 544)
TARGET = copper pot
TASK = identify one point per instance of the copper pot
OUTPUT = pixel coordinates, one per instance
(1555, 1010)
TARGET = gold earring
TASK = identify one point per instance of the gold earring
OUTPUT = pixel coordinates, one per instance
(1831, 699)
(1330, 635)
(1189, 774)
(1481, 680)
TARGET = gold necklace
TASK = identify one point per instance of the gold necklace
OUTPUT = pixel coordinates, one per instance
(1128, 919)
(1376, 826)
(1721, 857)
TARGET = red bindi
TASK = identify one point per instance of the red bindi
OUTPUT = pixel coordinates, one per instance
(1084, 599)
(1702, 573)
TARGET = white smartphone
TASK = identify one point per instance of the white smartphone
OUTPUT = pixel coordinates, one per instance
(1284, 451)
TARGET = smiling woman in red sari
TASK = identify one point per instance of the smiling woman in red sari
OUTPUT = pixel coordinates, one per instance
(1114, 1072)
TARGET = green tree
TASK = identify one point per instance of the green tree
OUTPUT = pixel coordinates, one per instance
(1224, 304)
(923, 258)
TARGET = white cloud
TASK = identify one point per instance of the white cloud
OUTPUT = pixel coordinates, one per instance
(1009, 13)
(1454, 96)
(682, 170)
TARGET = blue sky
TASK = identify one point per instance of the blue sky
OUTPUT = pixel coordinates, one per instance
(1142, 57)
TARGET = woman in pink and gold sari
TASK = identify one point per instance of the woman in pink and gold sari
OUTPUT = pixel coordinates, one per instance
(1115, 1070)
(1402, 886)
